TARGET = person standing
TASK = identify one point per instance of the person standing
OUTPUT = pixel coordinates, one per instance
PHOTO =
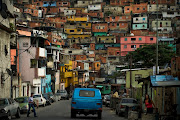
(148, 104)
(31, 104)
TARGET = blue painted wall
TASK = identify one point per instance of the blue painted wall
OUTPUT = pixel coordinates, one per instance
(46, 4)
(139, 26)
(46, 84)
(105, 46)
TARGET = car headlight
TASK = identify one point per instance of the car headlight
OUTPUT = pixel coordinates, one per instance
(3, 111)
(25, 107)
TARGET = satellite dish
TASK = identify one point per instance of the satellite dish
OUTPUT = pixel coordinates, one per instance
(9, 71)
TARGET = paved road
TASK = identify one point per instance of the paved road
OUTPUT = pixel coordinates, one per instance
(61, 111)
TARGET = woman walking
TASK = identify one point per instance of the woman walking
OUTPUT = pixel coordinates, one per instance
(148, 104)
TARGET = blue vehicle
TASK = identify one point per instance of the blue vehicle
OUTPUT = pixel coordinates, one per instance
(86, 101)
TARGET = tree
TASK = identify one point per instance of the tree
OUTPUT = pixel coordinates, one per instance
(147, 54)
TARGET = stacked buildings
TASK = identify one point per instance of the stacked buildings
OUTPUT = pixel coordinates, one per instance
(62, 44)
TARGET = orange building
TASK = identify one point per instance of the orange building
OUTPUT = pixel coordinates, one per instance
(120, 2)
(114, 51)
(136, 8)
(118, 18)
(100, 27)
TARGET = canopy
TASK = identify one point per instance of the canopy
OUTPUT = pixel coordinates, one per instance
(98, 86)
(164, 81)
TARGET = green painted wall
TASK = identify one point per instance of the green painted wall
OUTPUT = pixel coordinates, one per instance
(144, 73)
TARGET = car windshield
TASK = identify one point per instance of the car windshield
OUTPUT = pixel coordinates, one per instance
(21, 100)
(107, 97)
(62, 91)
(36, 96)
(86, 93)
(129, 101)
(45, 95)
(3, 102)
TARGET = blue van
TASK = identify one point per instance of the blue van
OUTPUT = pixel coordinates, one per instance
(86, 101)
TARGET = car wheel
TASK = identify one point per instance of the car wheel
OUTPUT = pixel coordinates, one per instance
(73, 114)
(9, 117)
(99, 115)
(18, 115)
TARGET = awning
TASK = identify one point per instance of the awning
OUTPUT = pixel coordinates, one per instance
(164, 81)
(98, 86)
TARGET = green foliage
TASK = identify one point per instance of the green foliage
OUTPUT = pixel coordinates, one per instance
(147, 54)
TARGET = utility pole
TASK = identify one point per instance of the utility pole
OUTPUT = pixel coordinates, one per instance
(157, 38)
(131, 75)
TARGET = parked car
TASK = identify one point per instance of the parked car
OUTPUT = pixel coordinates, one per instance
(41, 100)
(48, 99)
(9, 108)
(126, 102)
(58, 96)
(23, 103)
(106, 100)
(86, 101)
(52, 96)
(64, 94)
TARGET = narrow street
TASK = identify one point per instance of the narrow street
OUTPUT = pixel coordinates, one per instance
(61, 111)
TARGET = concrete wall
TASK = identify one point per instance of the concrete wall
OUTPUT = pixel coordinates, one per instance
(5, 61)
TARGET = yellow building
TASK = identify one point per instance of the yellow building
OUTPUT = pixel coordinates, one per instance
(73, 31)
(77, 18)
(68, 77)
(106, 39)
(79, 36)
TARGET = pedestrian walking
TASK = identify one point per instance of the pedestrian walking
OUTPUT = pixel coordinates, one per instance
(148, 104)
(31, 103)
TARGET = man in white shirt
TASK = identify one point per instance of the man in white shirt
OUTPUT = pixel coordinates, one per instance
(31, 104)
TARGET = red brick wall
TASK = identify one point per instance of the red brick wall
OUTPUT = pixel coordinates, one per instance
(115, 51)
(118, 18)
(136, 8)
(80, 57)
(121, 2)
(113, 26)
(94, 29)
(92, 46)
(170, 2)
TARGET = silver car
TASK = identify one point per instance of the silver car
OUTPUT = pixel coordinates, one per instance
(9, 108)
(125, 103)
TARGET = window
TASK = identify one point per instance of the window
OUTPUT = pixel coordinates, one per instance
(135, 25)
(140, 39)
(45, 2)
(144, 8)
(70, 51)
(113, 17)
(125, 39)
(86, 93)
(35, 0)
(78, 30)
(38, 4)
(144, 18)
(112, 38)
(138, 76)
(71, 30)
(112, 24)
(25, 44)
(133, 39)
(151, 38)
(137, 8)
(140, 46)
(86, 24)
(33, 63)
(136, 19)
(117, 24)
(133, 46)
(64, 3)
(125, 46)
(127, 8)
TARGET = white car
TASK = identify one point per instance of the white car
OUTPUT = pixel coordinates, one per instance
(40, 98)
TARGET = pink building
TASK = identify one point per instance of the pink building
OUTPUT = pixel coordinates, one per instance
(131, 43)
